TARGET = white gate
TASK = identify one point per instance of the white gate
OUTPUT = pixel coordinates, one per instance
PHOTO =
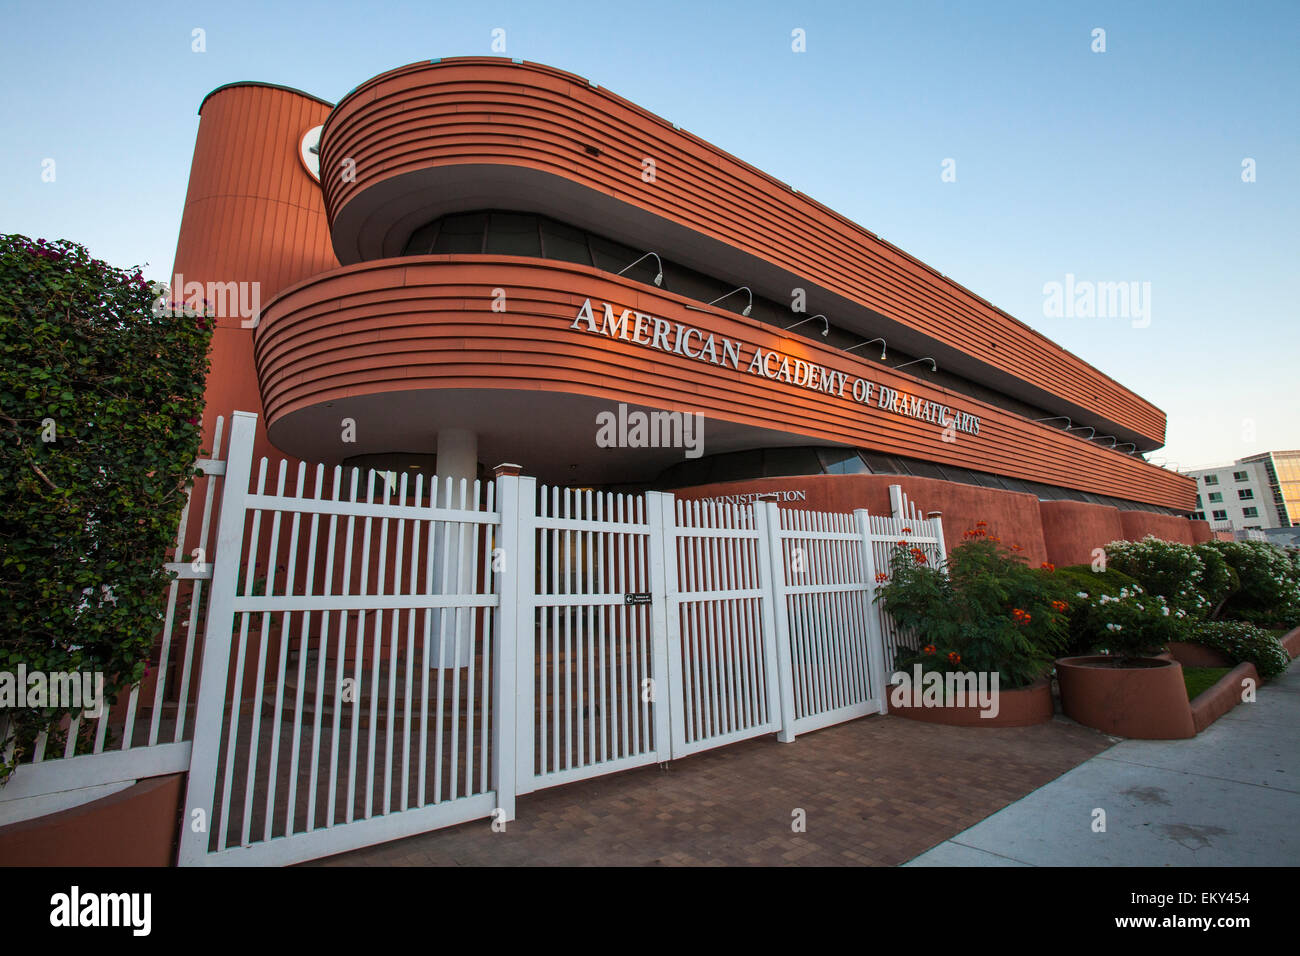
(824, 581)
(591, 600)
(722, 651)
(344, 701)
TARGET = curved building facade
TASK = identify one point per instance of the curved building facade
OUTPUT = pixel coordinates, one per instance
(474, 260)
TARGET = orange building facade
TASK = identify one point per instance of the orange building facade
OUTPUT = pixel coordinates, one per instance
(473, 260)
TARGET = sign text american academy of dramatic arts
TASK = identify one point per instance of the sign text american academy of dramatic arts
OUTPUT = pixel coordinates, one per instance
(679, 339)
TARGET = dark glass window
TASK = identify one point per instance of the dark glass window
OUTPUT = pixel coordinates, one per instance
(842, 461)
(421, 242)
(882, 464)
(565, 243)
(461, 234)
(614, 256)
(925, 469)
(780, 462)
(513, 234)
(962, 475)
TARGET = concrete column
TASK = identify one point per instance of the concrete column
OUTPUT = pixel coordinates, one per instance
(457, 460)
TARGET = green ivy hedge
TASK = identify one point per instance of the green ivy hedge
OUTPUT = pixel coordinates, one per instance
(100, 398)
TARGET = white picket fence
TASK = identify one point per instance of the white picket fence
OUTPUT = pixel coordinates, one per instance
(385, 657)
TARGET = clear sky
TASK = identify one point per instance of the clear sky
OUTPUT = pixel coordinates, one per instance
(1115, 166)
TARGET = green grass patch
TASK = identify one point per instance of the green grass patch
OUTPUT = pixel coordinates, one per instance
(1201, 679)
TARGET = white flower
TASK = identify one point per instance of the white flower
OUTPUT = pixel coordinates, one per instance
(1164, 611)
(1083, 594)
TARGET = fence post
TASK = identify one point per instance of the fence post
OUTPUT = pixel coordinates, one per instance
(665, 628)
(936, 523)
(875, 633)
(512, 699)
(767, 520)
(201, 787)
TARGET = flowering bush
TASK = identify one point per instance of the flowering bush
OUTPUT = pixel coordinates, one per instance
(1240, 642)
(1190, 579)
(1268, 582)
(986, 611)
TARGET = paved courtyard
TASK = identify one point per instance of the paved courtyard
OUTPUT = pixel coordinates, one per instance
(876, 791)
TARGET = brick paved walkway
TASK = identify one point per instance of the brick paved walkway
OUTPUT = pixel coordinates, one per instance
(876, 791)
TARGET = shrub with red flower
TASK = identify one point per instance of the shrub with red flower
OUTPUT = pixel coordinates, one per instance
(1060, 606)
(1048, 566)
(983, 609)
(882, 576)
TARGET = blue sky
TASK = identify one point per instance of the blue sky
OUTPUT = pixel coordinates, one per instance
(1117, 166)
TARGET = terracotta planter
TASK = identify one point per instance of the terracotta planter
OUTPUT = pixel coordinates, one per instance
(1016, 708)
(1148, 701)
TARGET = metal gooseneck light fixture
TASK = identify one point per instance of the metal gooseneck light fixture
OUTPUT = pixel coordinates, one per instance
(659, 277)
(884, 347)
(744, 288)
(826, 325)
(934, 366)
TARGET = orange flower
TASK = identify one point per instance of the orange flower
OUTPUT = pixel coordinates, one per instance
(902, 544)
(954, 657)
(981, 524)
(881, 576)
(1048, 566)
(907, 531)
(929, 648)
(1059, 605)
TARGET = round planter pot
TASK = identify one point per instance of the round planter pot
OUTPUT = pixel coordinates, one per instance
(1147, 701)
(1015, 708)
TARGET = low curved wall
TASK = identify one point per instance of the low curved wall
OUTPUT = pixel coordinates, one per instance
(137, 826)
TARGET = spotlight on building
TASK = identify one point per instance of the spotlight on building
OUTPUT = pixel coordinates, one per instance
(659, 277)
(1091, 431)
(1132, 447)
(884, 346)
(934, 366)
(1058, 418)
(745, 289)
(826, 325)
(1112, 438)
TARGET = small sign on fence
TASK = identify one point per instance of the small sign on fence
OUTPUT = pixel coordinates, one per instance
(636, 597)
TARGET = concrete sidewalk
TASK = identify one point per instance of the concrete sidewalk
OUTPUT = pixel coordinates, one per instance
(1228, 797)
